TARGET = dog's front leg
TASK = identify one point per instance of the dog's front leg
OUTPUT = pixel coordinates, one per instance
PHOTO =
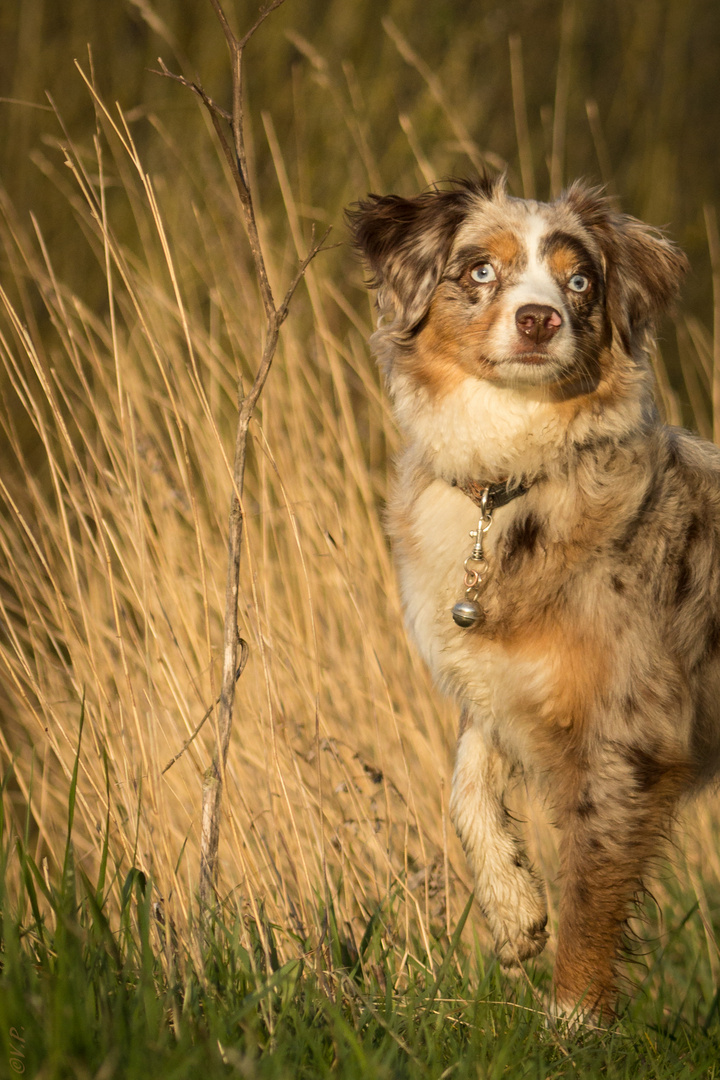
(510, 894)
(612, 826)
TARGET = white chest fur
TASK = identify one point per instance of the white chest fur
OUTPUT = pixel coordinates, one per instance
(479, 428)
(433, 546)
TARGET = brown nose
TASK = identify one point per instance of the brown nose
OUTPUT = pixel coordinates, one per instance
(539, 322)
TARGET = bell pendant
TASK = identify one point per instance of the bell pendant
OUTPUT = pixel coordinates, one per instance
(467, 613)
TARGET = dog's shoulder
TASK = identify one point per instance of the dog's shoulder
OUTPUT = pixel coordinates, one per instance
(689, 476)
(691, 454)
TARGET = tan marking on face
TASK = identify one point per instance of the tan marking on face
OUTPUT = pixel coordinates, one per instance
(432, 362)
(504, 247)
(471, 343)
(443, 353)
(563, 263)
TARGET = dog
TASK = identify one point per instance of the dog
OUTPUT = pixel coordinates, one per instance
(557, 545)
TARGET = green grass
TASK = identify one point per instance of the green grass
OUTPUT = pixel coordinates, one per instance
(93, 999)
(90, 988)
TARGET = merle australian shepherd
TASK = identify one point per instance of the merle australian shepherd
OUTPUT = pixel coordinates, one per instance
(558, 547)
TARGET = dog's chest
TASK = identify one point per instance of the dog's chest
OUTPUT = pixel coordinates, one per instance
(477, 428)
(432, 542)
(547, 645)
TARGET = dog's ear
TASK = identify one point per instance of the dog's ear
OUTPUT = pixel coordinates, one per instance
(643, 269)
(406, 242)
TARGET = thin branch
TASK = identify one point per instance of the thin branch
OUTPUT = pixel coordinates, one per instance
(264, 12)
(226, 28)
(244, 653)
(237, 47)
(274, 318)
(217, 114)
(211, 105)
(232, 40)
(314, 250)
(281, 314)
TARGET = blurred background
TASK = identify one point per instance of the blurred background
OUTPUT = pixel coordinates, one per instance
(625, 94)
(130, 311)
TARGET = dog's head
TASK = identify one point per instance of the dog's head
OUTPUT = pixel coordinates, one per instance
(473, 282)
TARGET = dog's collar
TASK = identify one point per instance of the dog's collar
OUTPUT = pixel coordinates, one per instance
(488, 497)
(497, 494)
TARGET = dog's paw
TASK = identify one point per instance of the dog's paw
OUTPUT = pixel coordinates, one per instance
(522, 943)
(571, 1017)
(518, 918)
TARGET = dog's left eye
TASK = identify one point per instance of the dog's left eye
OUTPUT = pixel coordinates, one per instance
(579, 283)
(483, 272)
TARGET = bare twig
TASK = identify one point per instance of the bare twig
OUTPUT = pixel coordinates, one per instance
(207, 101)
(244, 653)
(234, 150)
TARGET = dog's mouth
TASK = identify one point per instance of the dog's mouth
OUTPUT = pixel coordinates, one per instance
(537, 354)
(534, 357)
(538, 364)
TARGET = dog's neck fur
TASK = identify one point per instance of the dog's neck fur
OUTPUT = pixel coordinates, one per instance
(484, 431)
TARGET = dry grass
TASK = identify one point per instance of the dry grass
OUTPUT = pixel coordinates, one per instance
(115, 543)
(119, 424)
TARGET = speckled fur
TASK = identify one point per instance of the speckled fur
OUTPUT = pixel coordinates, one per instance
(596, 666)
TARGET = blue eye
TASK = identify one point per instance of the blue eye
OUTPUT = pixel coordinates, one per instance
(579, 283)
(483, 273)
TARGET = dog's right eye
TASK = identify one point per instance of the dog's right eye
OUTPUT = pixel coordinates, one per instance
(482, 273)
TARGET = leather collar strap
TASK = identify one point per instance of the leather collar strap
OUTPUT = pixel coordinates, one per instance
(498, 494)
